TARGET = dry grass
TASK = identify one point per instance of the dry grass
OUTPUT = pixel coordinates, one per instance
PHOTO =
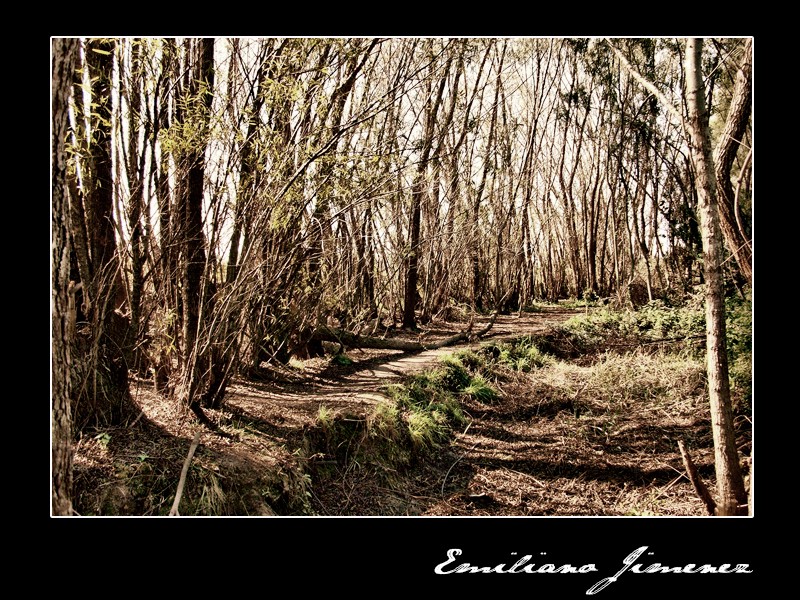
(589, 437)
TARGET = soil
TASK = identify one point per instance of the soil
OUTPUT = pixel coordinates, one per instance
(521, 456)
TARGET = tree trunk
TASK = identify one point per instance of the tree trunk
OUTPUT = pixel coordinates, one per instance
(412, 266)
(104, 396)
(354, 340)
(135, 167)
(65, 52)
(167, 339)
(724, 155)
(195, 298)
(732, 498)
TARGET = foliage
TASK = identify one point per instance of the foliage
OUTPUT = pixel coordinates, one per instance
(383, 421)
(739, 325)
(432, 398)
(521, 355)
(341, 359)
(656, 321)
(682, 325)
(113, 478)
(480, 390)
(639, 377)
(425, 431)
(324, 416)
(454, 374)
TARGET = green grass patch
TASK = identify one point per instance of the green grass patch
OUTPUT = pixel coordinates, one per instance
(341, 359)
(481, 390)
(522, 355)
(682, 327)
(430, 401)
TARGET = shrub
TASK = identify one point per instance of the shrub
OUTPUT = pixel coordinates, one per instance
(739, 324)
(521, 355)
(480, 390)
(453, 373)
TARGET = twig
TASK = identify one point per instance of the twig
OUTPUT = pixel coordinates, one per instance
(663, 490)
(698, 484)
(531, 477)
(444, 480)
(174, 511)
(404, 495)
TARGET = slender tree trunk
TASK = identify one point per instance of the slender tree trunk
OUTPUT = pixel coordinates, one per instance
(167, 342)
(732, 498)
(412, 268)
(135, 168)
(200, 86)
(724, 155)
(64, 56)
(100, 196)
(417, 191)
(79, 236)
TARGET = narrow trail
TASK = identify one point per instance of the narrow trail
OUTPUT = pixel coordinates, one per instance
(506, 327)
(548, 448)
(541, 451)
(355, 388)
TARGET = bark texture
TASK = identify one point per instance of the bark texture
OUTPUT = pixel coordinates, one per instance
(724, 155)
(64, 53)
(730, 484)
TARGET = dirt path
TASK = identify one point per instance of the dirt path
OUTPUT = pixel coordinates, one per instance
(494, 467)
(355, 388)
(530, 454)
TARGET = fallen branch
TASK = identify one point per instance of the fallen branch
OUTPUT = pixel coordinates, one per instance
(174, 511)
(698, 484)
(354, 340)
(444, 479)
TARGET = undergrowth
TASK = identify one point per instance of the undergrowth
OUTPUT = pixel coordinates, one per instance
(635, 367)
(658, 324)
(122, 473)
(609, 382)
(643, 367)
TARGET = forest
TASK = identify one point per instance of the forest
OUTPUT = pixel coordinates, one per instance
(558, 230)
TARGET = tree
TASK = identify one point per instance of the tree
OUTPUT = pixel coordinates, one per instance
(731, 495)
(195, 296)
(418, 189)
(64, 55)
(134, 163)
(100, 369)
(730, 144)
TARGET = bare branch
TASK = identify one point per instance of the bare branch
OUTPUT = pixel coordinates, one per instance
(174, 511)
(648, 85)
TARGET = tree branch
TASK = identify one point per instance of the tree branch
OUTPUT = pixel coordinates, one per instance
(648, 85)
(354, 340)
(174, 511)
(698, 484)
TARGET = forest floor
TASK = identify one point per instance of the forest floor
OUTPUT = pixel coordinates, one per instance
(546, 447)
